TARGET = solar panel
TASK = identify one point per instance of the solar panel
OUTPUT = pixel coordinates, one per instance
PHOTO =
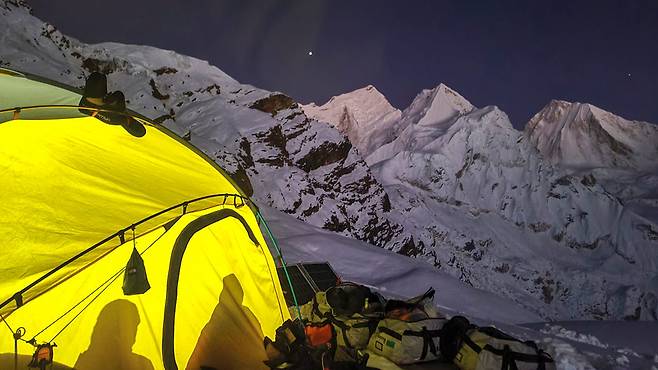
(321, 274)
(303, 290)
(307, 279)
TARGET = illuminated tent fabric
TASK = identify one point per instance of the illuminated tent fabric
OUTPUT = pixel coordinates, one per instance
(78, 195)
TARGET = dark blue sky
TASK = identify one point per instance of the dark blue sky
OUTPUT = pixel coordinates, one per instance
(514, 54)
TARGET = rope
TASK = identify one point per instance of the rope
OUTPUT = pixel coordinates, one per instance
(6, 323)
(283, 262)
(106, 283)
(85, 307)
(113, 277)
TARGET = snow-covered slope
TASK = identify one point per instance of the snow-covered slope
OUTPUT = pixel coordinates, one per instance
(364, 116)
(620, 154)
(483, 204)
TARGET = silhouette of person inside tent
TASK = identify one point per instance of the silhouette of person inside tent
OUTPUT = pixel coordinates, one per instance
(112, 340)
(232, 338)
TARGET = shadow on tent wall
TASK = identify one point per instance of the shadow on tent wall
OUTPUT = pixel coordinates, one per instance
(232, 338)
(112, 340)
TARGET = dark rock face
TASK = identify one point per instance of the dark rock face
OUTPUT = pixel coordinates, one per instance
(242, 180)
(649, 232)
(156, 93)
(274, 103)
(325, 154)
(326, 176)
(165, 70)
(97, 65)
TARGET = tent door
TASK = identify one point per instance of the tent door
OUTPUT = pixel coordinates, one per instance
(178, 251)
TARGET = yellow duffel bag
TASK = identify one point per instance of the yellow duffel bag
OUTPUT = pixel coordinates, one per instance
(354, 331)
(407, 342)
(490, 349)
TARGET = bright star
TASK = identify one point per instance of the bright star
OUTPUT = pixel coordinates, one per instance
(310, 53)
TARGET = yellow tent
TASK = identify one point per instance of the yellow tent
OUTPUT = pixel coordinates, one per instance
(78, 197)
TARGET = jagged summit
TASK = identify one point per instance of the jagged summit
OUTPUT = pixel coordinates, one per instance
(436, 106)
(366, 104)
(363, 115)
(581, 135)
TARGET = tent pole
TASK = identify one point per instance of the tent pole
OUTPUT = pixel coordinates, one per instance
(283, 262)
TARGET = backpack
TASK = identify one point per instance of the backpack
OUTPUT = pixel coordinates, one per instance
(407, 342)
(352, 309)
(310, 347)
(487, 348)
(317, 310)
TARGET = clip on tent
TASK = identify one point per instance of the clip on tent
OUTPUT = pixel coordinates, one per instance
(121, 250)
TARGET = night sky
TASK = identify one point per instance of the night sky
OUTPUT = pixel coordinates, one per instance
(514, 54)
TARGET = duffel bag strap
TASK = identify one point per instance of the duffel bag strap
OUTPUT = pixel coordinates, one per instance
(390, 332)
(510, 357)
(428, 340)
(453, 335)
(345, 327)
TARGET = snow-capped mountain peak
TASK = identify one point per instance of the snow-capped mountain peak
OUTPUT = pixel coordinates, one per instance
(581, 136)
(366, 105)
(364, 115)
(441, 104)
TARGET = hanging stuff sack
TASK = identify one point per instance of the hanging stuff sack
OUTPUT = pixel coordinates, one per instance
(135, 280)
(488, 348)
